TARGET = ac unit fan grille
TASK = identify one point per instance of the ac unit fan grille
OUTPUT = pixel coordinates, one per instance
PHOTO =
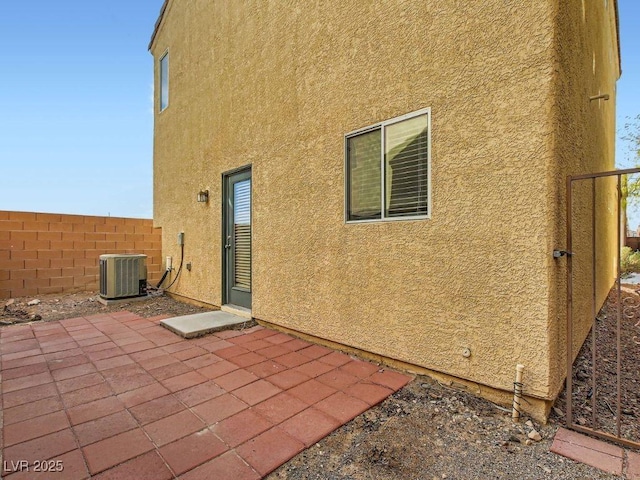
(122, 276)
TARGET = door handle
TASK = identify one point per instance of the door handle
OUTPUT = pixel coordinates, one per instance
(228, 245)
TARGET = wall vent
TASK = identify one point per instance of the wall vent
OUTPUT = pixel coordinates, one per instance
(123, 275)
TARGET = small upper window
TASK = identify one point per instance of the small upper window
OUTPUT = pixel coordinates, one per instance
(164, 81)
(388, 169)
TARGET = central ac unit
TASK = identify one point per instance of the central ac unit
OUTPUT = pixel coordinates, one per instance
(123, 275)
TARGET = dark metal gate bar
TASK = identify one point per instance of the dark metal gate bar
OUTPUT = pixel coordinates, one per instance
(594, 429)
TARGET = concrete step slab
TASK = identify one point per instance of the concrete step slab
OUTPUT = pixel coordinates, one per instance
(237, 310)
(189, 326)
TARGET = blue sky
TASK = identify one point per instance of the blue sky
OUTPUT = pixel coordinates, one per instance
(76, 127)
(628, 104)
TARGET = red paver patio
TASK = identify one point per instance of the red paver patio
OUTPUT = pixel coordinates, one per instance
(597, 453)
(119, 396)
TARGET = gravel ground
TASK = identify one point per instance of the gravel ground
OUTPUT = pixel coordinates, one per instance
(603, 401)
(53, 307)
(428, 431)
(424, 431)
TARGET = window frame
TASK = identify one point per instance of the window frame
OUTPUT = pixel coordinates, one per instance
(381, 126)
(160, 77)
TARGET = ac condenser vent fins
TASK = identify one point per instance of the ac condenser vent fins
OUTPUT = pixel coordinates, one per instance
(123, 276)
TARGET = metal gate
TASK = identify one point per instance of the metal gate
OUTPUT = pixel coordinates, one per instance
(603, 314)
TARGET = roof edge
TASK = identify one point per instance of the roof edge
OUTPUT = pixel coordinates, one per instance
(156, 28)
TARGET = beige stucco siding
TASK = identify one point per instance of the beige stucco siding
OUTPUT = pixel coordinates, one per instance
(278, 84)
(587, 65)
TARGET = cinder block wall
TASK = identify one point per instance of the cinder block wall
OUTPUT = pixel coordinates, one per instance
(53, 253)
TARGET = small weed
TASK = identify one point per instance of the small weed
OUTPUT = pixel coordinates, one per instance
(629, 260)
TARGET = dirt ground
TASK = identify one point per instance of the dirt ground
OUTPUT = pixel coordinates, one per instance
(53, 307)
(603, 400)
(424, 431)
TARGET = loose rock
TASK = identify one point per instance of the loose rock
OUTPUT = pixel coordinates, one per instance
(534, 435)
(33, 302)
(581, 375)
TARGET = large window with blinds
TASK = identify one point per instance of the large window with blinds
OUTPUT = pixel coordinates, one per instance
(387, 167)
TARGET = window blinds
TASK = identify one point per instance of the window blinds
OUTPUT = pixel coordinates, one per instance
(242, 233)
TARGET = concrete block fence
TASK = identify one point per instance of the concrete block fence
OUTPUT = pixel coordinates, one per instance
(52, 253)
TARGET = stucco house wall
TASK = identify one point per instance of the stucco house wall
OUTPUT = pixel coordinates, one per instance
(587, 65)
(277, 85)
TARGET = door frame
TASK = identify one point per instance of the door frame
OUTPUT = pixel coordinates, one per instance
(226, 178)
